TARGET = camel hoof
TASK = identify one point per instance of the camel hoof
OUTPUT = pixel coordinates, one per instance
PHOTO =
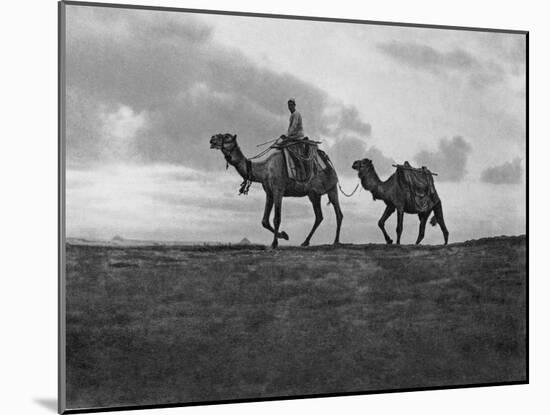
(336, 243)
(274, 245)
(305, 243)
(389, 242)
(283, 235)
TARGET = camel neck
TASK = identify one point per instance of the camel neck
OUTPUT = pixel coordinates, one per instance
(237, 159)
(373, 184)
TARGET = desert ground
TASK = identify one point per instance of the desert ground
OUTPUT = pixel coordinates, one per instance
(180, 324)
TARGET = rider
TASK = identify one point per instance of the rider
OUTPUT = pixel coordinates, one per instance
(295, 164)
(295, 128)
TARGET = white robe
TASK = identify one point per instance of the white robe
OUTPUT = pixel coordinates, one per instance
(295, 128)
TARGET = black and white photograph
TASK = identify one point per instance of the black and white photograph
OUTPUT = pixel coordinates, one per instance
(236, 207)
(263, 207)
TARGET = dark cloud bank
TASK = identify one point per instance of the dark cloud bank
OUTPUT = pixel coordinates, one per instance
(169, 68)
(449, 160)
(480, 73)
(510, 172)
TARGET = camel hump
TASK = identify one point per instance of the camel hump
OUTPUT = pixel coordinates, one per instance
(418, 187)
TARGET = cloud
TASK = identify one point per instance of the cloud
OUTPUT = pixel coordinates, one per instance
(118, 130)
(426, 57)
(509, 49)
(510, 172)
(349, 148)
(382, 163)
(172, 202)
(166, 69)
(122, 123)
(146, 90)
(347, 120)
(450, 159)
(345, 151)
(478, 72)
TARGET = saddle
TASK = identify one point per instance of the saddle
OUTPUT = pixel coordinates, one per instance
(418, 185)
(303, 158)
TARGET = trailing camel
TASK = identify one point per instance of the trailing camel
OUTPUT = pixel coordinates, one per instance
(399, 195)
(272, 174)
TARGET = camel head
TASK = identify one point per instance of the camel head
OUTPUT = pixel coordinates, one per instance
(366, 172)
(362, 165)
(224, 142)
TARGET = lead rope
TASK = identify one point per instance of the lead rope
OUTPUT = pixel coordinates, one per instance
(351, 194)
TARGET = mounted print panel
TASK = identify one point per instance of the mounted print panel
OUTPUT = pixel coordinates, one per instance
(261, 207)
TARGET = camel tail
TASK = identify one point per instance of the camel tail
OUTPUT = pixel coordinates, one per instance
(433, 220)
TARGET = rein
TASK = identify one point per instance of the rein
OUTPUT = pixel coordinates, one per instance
(261, 153)
(267, 142)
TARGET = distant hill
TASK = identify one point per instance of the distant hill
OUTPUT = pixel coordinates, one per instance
(245, 241)
(118, 240)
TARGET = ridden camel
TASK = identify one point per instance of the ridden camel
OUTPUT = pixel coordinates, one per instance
(273, 176)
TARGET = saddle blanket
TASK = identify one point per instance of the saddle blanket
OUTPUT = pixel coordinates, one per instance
(303, 160)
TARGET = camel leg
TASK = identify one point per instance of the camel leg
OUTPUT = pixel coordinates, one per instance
(267, 212)
(438, 212)
(316, 202)
(278, 201)
(399, 229)
(387, 213)
(333, 198)
(422, 228)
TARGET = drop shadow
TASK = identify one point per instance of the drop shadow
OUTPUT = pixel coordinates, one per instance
(47, 403)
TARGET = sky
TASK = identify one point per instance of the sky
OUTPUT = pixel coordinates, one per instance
(145, 91)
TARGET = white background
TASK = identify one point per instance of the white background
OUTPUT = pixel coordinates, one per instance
(28, 238)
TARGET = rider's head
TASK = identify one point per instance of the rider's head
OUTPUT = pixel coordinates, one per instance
(291, 105)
